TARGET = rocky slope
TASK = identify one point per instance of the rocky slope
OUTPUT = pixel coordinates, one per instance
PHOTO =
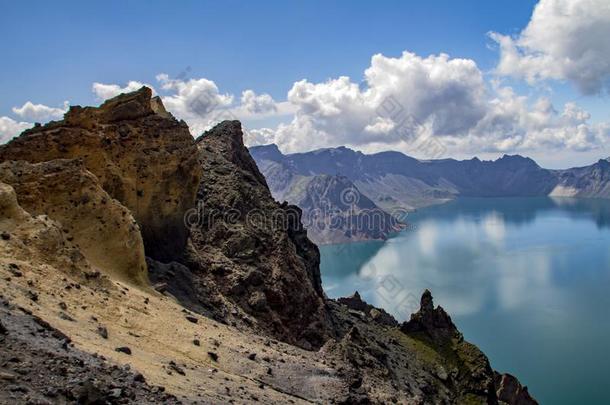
(250, 249)
(392, 179)
(589, 181)
(335, 211)
(238, 316)
(142, 156)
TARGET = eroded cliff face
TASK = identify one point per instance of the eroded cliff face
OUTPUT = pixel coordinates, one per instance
(252, 250)
(142, 156)
(67, 193)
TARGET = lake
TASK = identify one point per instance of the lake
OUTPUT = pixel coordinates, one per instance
(525, 279)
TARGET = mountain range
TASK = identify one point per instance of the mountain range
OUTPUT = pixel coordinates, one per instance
(395, 183)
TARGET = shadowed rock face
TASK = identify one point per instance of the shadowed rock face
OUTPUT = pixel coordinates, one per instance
(141, 155)
(253, 250)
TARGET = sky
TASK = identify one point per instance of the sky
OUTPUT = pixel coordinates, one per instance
(432, 79)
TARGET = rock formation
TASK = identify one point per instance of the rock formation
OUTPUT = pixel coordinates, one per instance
(39, 241)
(142, 156)
(104, 230)
(511, 392)
(432, 322)
(251, 248)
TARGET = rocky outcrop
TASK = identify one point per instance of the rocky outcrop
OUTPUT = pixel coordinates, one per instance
(424, 361)
(464, 363)
(511, 392)
(435, 323)
(39, 241)
(142, 156)
(104, 230)
(251, 249)
(378, 315)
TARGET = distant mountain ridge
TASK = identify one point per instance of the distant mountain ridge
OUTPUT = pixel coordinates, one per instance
(393, 180)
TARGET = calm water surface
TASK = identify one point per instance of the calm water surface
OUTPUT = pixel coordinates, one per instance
(526, 279)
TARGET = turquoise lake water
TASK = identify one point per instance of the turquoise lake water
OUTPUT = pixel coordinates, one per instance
(525, 279)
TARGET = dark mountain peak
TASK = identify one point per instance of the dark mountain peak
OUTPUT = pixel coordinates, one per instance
(269, 268)
(427, 302)
(267, 152)
(337, 151)
(515, 160)
(604, 162)
(228, 138)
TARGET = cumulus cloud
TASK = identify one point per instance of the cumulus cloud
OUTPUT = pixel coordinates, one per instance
(512, 123)
(106, 91)
(40, 112)
(260, 136)
(197, 101)
(257, 104)
(437, 99)
(564, 40)
(9, 128)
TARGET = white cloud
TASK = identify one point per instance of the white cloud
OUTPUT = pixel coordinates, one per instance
(194, 97)
(436, 93)
(257, 104)
(197, 101)
(106, 91)
(564, 40)
(410, 98)
(40, 112)
(261, 136)
(10, 128)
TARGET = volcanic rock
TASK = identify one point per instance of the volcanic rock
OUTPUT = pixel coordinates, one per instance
(434, 322)
(270, 269)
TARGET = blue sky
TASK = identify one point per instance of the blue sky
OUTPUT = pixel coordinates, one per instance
(53, 52)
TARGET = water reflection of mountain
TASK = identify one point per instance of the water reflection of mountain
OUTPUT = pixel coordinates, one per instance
(518, 211)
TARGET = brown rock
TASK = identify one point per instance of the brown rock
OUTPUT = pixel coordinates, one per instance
(104, 230)
(142, 156)
(511, 392)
